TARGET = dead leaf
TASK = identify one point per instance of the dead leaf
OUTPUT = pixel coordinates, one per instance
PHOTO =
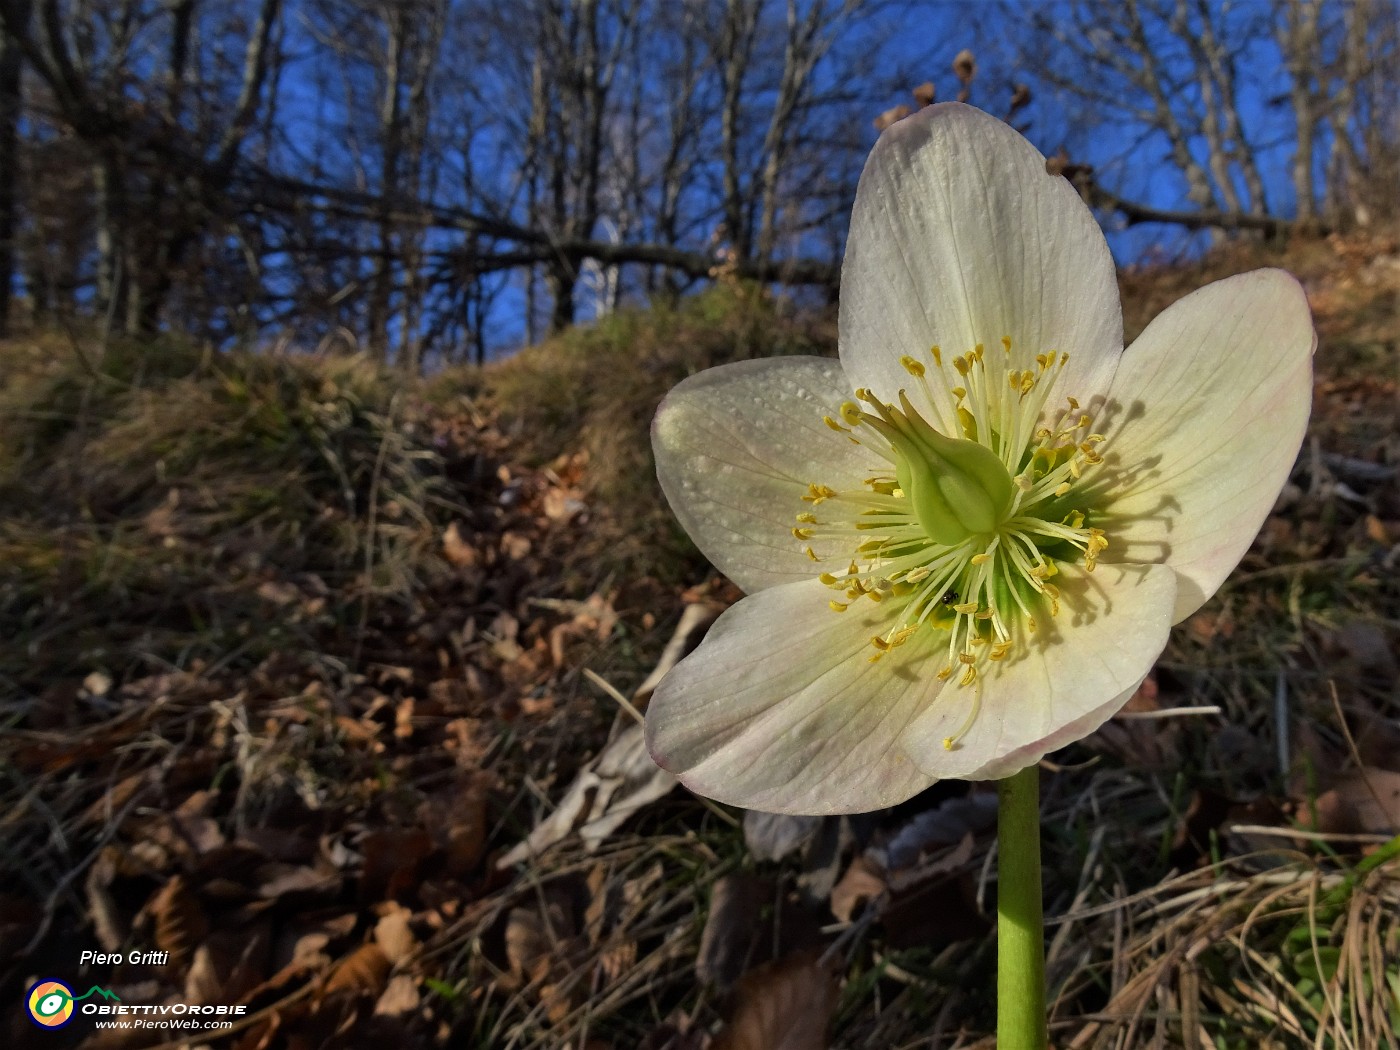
(772, 836)
(394, 934)
(944, 825)
(108, 924)
(781, 1006)
(618, 782)
(695, 621)
(863, 881)
(179, 922)
(362, 972)
(458, 817)
(229, 964)
(455, 548)
(400, 997)
(393, 858)
(727, 943)
(1366, 802)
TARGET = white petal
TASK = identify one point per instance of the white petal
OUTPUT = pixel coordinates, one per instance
(1070, 676)
(781, 710)
(736, 448)
(1212, 402)
(959, 236)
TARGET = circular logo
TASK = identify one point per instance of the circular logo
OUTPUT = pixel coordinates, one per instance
(50, 1004)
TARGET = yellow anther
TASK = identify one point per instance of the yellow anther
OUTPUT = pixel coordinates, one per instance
(967, 658)
(978, 351)
(915, 575)
(1024, 482)
(1074, 519)
(914, 368)
(1064, 359)
(1075, 470)
(1062, 488)
(881, 644)
(1000, 651)
(981, 559)
(1027, 383)
(809, 519)
(802, 533)
(961, 365)
(969, 675)
(1006, 343)
(1013, 379)
(851, 412)
(1073, 404)
(943, 674)
(1084, 421)
(836, 606)
(966, 608)
(937, 354)
(829, 580)
(834, 425)
(959, 392)
(810, 553)
(984, 614)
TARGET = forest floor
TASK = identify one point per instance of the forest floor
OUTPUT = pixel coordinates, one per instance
(323, 684)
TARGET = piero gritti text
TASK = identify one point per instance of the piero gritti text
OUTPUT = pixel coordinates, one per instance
(133, 958)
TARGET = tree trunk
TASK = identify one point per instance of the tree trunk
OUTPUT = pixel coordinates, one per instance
(10, 104)
(562, 279)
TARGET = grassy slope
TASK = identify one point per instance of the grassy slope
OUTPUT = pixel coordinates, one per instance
(277, 617)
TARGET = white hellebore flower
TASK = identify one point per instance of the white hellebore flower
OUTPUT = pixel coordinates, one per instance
(964, 544)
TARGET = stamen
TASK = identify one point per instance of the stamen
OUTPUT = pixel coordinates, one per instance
(980, 596)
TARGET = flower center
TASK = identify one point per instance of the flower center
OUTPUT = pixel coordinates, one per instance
(962, 533)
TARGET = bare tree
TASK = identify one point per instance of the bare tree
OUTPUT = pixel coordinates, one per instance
(16, 12)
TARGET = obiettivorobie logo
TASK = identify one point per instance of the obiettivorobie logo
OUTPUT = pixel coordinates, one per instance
(51, 1002)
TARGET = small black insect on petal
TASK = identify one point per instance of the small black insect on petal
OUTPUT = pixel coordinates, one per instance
(950, 597)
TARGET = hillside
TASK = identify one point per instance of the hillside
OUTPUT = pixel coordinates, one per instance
(294, 651)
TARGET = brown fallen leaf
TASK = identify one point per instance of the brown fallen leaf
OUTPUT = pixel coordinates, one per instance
(179, 922)
(863, 881)
(393, 933)
(363, 972)
(727, 942)
(455, 548)
(1365, 802)
(400, 997)
(784, 1005)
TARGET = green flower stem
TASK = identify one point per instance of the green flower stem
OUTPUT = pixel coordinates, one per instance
(1020, 919)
